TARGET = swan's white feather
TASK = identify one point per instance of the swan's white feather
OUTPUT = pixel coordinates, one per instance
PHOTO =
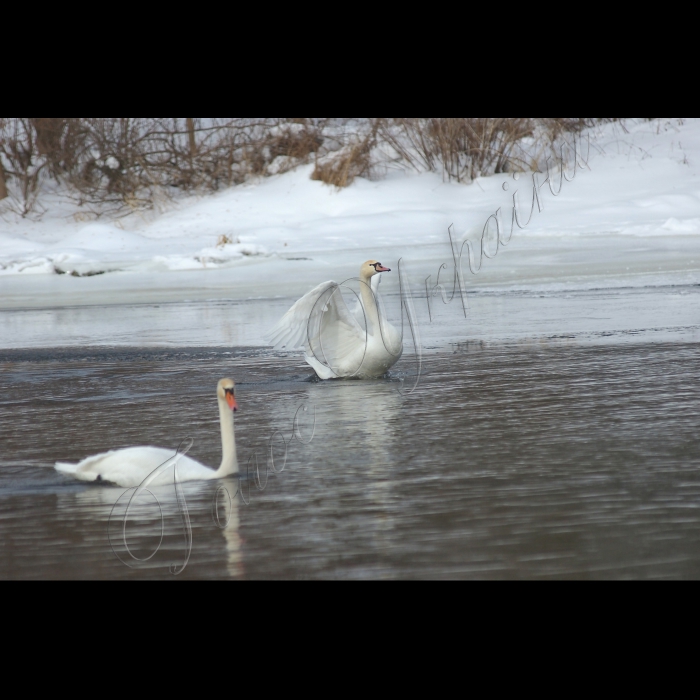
(318, 309)
(130, 466)
(334, 338)
(357, 310)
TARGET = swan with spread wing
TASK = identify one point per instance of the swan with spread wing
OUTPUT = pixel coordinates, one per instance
(337, 342)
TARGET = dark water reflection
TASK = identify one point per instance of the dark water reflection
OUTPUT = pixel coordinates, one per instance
(559, 462)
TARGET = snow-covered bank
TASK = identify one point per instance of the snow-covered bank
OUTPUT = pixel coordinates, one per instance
(631, 221)
(643, 184)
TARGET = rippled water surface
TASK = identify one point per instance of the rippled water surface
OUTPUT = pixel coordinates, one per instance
(506, 462)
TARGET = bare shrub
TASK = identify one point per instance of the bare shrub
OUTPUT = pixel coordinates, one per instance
(3, 183)
(352, 156)
(60, 143)
(223, 240)
(49, 140)
(460, 149)
(466, 148)
(133, 163)
(119, 165)
(21, 164)
(292, 143)
(111, 171)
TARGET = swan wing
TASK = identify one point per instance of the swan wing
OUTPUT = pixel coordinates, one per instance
(321, 311)
(130, 466)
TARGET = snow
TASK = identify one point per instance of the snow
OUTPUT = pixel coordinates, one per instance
(691, 226)
(630, 221)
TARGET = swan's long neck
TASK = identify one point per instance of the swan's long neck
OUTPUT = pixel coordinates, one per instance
(369, 304)
(229, 463)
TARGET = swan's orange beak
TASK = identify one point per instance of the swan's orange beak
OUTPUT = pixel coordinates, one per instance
(231, 401)
(381, 268)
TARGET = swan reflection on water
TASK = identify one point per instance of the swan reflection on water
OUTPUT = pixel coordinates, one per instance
(159, 531)
(165, 532)
(362, 457)
(162, 522)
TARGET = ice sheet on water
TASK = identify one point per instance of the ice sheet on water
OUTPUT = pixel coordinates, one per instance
(27, 266)
(691, 226)
(218, 256)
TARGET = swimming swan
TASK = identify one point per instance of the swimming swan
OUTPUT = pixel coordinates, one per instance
(130, 466)
(335, 343)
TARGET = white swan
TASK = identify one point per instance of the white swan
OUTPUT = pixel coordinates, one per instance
(130, 466)
(334, 340)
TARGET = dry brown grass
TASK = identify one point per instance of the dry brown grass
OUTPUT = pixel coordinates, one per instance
(460, 148)
(224, 240)
(3, 183)
(120, 165)
(342, 168)
(22, 168)
(123, 164)
(465, 148)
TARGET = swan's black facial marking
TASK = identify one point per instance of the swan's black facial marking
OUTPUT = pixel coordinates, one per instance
(380, 266)
(230, 396)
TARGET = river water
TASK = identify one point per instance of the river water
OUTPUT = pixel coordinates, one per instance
(505, 462)
(552, 433)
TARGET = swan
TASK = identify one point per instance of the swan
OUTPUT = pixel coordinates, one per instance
(335, 343)
(132, 465)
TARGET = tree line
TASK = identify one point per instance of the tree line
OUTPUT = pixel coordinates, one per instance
(118, 165)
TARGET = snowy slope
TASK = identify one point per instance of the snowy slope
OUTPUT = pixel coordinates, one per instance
(642, 184)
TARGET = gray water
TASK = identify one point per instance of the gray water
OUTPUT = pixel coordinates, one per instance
(507, 461)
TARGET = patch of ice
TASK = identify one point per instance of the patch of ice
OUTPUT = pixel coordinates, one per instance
(217, 256)
(34, 266)
(231, 251)
(682, 226)
(177, 262)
